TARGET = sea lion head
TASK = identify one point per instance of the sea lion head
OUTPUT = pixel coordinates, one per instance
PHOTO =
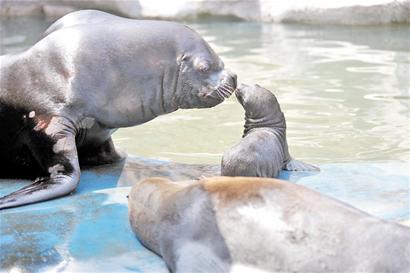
(261, 106)
(203, 80)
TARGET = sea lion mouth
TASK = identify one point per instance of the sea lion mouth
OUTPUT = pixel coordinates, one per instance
(211, 95)
(217, 94)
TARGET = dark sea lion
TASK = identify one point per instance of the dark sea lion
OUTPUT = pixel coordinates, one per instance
(85, 16)
(263, 150)
(244, 224)
(61, 99)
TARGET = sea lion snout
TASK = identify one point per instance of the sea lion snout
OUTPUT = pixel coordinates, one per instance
(234, 79)
(227, 84)
(249, 95)
(242, 86)
(256, 99)
(212, 90)
(239, 92)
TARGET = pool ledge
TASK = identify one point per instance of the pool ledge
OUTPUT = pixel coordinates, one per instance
(89, 230)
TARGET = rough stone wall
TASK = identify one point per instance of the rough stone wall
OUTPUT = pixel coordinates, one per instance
(359, 12)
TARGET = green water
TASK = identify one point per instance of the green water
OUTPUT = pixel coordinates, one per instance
(345, 91)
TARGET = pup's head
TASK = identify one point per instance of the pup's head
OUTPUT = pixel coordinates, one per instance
(259, 103)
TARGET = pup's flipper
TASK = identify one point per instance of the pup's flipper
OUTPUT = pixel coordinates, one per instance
(300, 166)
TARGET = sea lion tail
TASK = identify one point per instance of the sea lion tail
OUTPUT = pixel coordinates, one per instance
(300, 166)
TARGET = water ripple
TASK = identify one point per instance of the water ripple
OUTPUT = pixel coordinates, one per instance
(345, 91)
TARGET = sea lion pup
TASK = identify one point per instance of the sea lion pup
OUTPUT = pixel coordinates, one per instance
(61, 99)
(248, 224)
(263, 150)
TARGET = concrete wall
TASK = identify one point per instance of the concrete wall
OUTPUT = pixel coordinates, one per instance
(359, 12)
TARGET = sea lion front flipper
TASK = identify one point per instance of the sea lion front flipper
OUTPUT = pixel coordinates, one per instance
(300, 166)
(55, 150)
(41, 190)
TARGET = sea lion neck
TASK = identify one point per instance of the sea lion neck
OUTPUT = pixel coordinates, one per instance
(147, 201)
(262, 109)
(264, 117)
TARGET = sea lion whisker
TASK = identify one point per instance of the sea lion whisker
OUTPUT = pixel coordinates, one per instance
(229, 90)
(227, 93)
(229, 87)
(223, 93)
(220, 94)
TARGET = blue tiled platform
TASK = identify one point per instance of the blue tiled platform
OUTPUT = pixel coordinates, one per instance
(89, 230)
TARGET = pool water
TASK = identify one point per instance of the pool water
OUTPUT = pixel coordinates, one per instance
(345, 91)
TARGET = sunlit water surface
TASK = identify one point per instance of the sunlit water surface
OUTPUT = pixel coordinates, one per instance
(344, 90)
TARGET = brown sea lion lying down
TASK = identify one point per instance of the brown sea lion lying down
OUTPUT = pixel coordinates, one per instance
(226, 224)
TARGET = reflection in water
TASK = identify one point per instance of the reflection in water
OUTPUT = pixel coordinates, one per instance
(344, 90)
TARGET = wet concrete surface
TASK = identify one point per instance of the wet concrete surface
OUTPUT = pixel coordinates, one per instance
(89, 231)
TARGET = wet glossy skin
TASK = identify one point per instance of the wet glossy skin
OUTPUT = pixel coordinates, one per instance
(244, 224)
(73, 88)
(263, 150)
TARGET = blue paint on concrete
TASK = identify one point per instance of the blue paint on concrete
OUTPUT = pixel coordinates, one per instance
(89, 230)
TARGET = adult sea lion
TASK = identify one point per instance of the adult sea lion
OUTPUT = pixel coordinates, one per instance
(86, 16)
(61, 99)
(263, 150)
(246, 224)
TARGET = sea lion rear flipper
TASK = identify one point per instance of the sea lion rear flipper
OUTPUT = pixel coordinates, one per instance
(56, 152)
(297, 165)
